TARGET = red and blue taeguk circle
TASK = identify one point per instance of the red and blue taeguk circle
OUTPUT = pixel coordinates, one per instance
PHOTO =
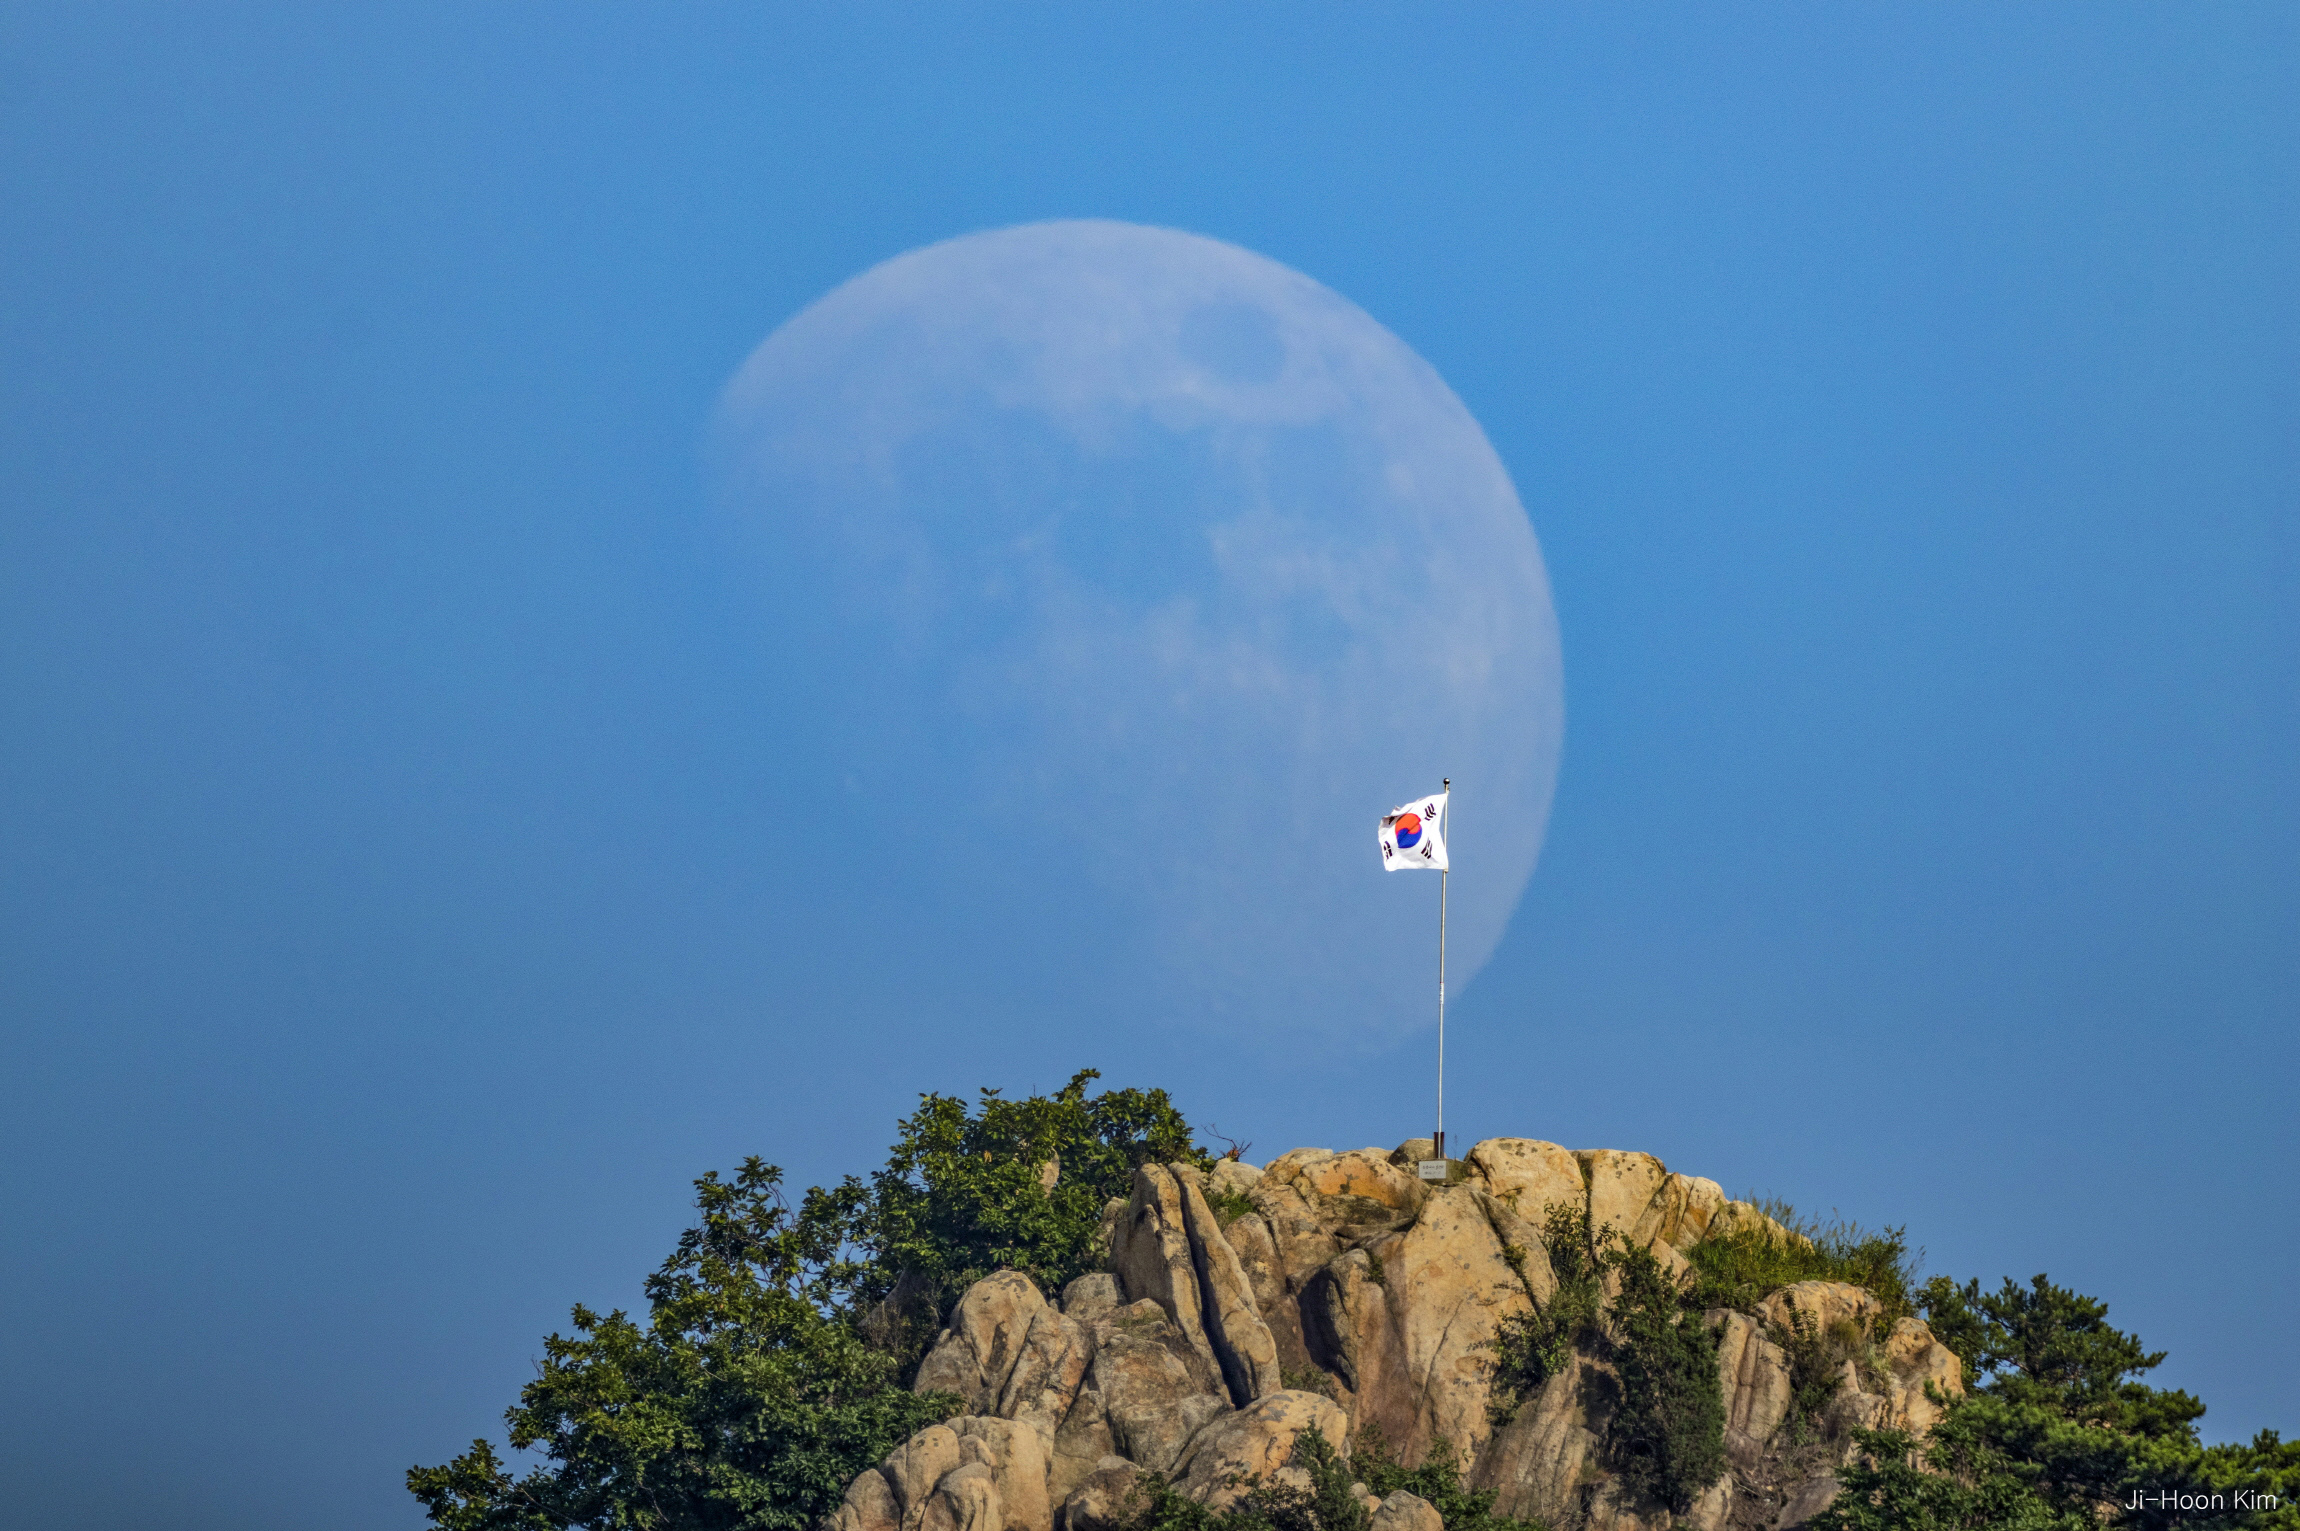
(1409, 830)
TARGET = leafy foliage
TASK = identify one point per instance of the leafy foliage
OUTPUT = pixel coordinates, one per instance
(2246, 1478)
(2049, 1347)
(769, 1369)
(1955, 1482)
(1326, 1505)
(1815, 1370)
(1667, 1440)
(1968, 1479)
(1227, 1205)
(2020, 1451)
(1437, 1480)
(2056, 1392)
(964, 1194)
(1532, 1347)
(2056, 1429)
(2059, 1433)
(1306, 1379)
(1741, 1268)
(739, 1403)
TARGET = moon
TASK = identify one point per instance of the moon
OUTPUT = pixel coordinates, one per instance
(1125, 562)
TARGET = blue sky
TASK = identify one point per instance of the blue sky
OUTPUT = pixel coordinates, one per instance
(393, 918)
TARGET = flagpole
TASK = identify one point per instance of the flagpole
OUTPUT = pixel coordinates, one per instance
(1445, 829)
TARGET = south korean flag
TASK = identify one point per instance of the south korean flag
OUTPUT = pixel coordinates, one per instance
(1414, 836)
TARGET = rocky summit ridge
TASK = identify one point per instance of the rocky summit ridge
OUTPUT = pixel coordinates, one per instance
(1242, 1306)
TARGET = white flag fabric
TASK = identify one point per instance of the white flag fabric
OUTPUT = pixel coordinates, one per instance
(1414, 836)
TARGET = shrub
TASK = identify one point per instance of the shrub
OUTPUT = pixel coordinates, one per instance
(1667, 1439)
(1227, 1205)
(1953, 1482)
(1326, 1505)
(1307, 1379)
(1815, 1372)
(1532, 1347)
(1742, 1268)
(1437, 1480)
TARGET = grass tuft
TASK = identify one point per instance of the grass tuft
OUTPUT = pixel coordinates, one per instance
(1742, 1268)
(1226, 1205)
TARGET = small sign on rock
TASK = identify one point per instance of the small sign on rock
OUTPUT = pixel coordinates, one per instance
(1432, 1169)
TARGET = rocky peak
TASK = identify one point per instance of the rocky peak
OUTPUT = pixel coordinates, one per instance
(1242, 1306)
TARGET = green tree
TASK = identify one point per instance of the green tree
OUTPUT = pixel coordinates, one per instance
(2056, 1392)
(1956, 1481)
(2258, 1482)
(2056, 1407)
(738, 1403)
(2054, 1349)
(770, 1367)
(1013, 1185)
